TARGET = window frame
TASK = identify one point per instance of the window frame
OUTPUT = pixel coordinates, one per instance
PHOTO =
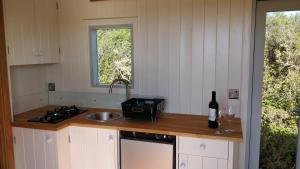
(94, 53)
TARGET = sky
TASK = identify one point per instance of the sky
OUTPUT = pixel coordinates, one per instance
(289, 13)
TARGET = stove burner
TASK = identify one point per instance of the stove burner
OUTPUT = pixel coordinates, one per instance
(59, 114)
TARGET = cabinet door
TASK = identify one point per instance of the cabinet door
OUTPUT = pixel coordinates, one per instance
(108, 144)
(213, 163)
(47, 30)
(210, 163)
(18, 148)
(63, 148)
(190, 162)
(195, 162)
(85, 153)
(29, 148)
(45, 148)
(50, 140)
(198, 162)
(183, 161)
(93, 148)
(20, 31)
(92, 153)
(39, 137)
(77, 147)
(222, 164)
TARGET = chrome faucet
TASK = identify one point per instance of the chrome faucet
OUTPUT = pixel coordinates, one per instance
(126, 82)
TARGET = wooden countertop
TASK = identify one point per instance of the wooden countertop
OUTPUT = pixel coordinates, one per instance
(170, 124)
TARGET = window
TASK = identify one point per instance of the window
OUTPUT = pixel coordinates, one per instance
(111, 53)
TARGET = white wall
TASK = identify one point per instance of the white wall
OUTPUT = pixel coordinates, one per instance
(29, 87)
(184, 48)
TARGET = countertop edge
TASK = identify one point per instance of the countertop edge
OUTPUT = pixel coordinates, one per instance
(79, 121)
(154, 131)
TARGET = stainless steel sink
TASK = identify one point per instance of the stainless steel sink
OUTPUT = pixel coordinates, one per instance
(104, 116)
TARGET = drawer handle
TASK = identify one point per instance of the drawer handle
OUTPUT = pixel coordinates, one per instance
(110, 137)
(182, 165)
(48, 139)
(202, 147)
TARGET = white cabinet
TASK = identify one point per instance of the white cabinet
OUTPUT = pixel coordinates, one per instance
(93, 148)
(31, 31)
(196, 153)
(39, 149)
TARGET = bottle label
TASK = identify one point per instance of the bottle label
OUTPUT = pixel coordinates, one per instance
(212, 115)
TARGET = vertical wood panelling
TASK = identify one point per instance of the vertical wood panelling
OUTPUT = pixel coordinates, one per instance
(222, 164)
(152, 48)
(235, 55)
(210, 39)
(63, 146)
(29, 86)
(163, 48)
(108, 148)
(29, 149)
(210, 163)
(186, 55)
(51, 151)
(222, 52)
(77, 147)
(195, 162)
(19, 148)
(185, 49)
(197, 56)
(92, 152)
(40, 151)
(174, 58)
(141, 46)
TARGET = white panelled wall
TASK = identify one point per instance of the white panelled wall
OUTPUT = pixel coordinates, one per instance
(184, 49)
(29, 87)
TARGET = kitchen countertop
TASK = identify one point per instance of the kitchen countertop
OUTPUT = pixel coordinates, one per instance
(168, 123)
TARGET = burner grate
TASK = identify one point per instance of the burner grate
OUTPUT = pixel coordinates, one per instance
(59, 114)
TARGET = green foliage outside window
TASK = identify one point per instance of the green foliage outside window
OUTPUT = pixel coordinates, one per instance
(114, 54)
(281, 92)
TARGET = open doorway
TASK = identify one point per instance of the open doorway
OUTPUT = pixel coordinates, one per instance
(276, 86)
(281, 91)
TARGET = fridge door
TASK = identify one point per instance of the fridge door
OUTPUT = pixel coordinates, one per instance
(146, 155)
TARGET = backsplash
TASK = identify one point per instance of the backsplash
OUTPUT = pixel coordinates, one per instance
(89, 99)
(86, 99)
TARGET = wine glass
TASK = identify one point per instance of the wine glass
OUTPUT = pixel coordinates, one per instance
(221, 114)
(229, 116)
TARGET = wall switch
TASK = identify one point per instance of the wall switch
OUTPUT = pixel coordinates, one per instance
(233, 94)
(51, 87)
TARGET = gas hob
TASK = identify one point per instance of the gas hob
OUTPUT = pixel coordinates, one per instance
(59, 114)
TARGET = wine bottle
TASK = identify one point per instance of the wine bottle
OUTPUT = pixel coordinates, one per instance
(213, 112)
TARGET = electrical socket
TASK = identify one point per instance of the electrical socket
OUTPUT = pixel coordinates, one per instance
(51, 87)
(233, 94)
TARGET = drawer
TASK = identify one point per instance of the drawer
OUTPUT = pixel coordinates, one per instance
(204, 147)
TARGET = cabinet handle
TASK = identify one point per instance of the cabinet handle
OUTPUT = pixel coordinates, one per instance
(110, 137)
(36, 53)
(182, 165)
(202, 147)
(15, 140)
(41, 53)
(48, 139)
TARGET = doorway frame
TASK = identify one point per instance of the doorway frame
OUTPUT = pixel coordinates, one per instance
(262, 7)
(6, 138)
